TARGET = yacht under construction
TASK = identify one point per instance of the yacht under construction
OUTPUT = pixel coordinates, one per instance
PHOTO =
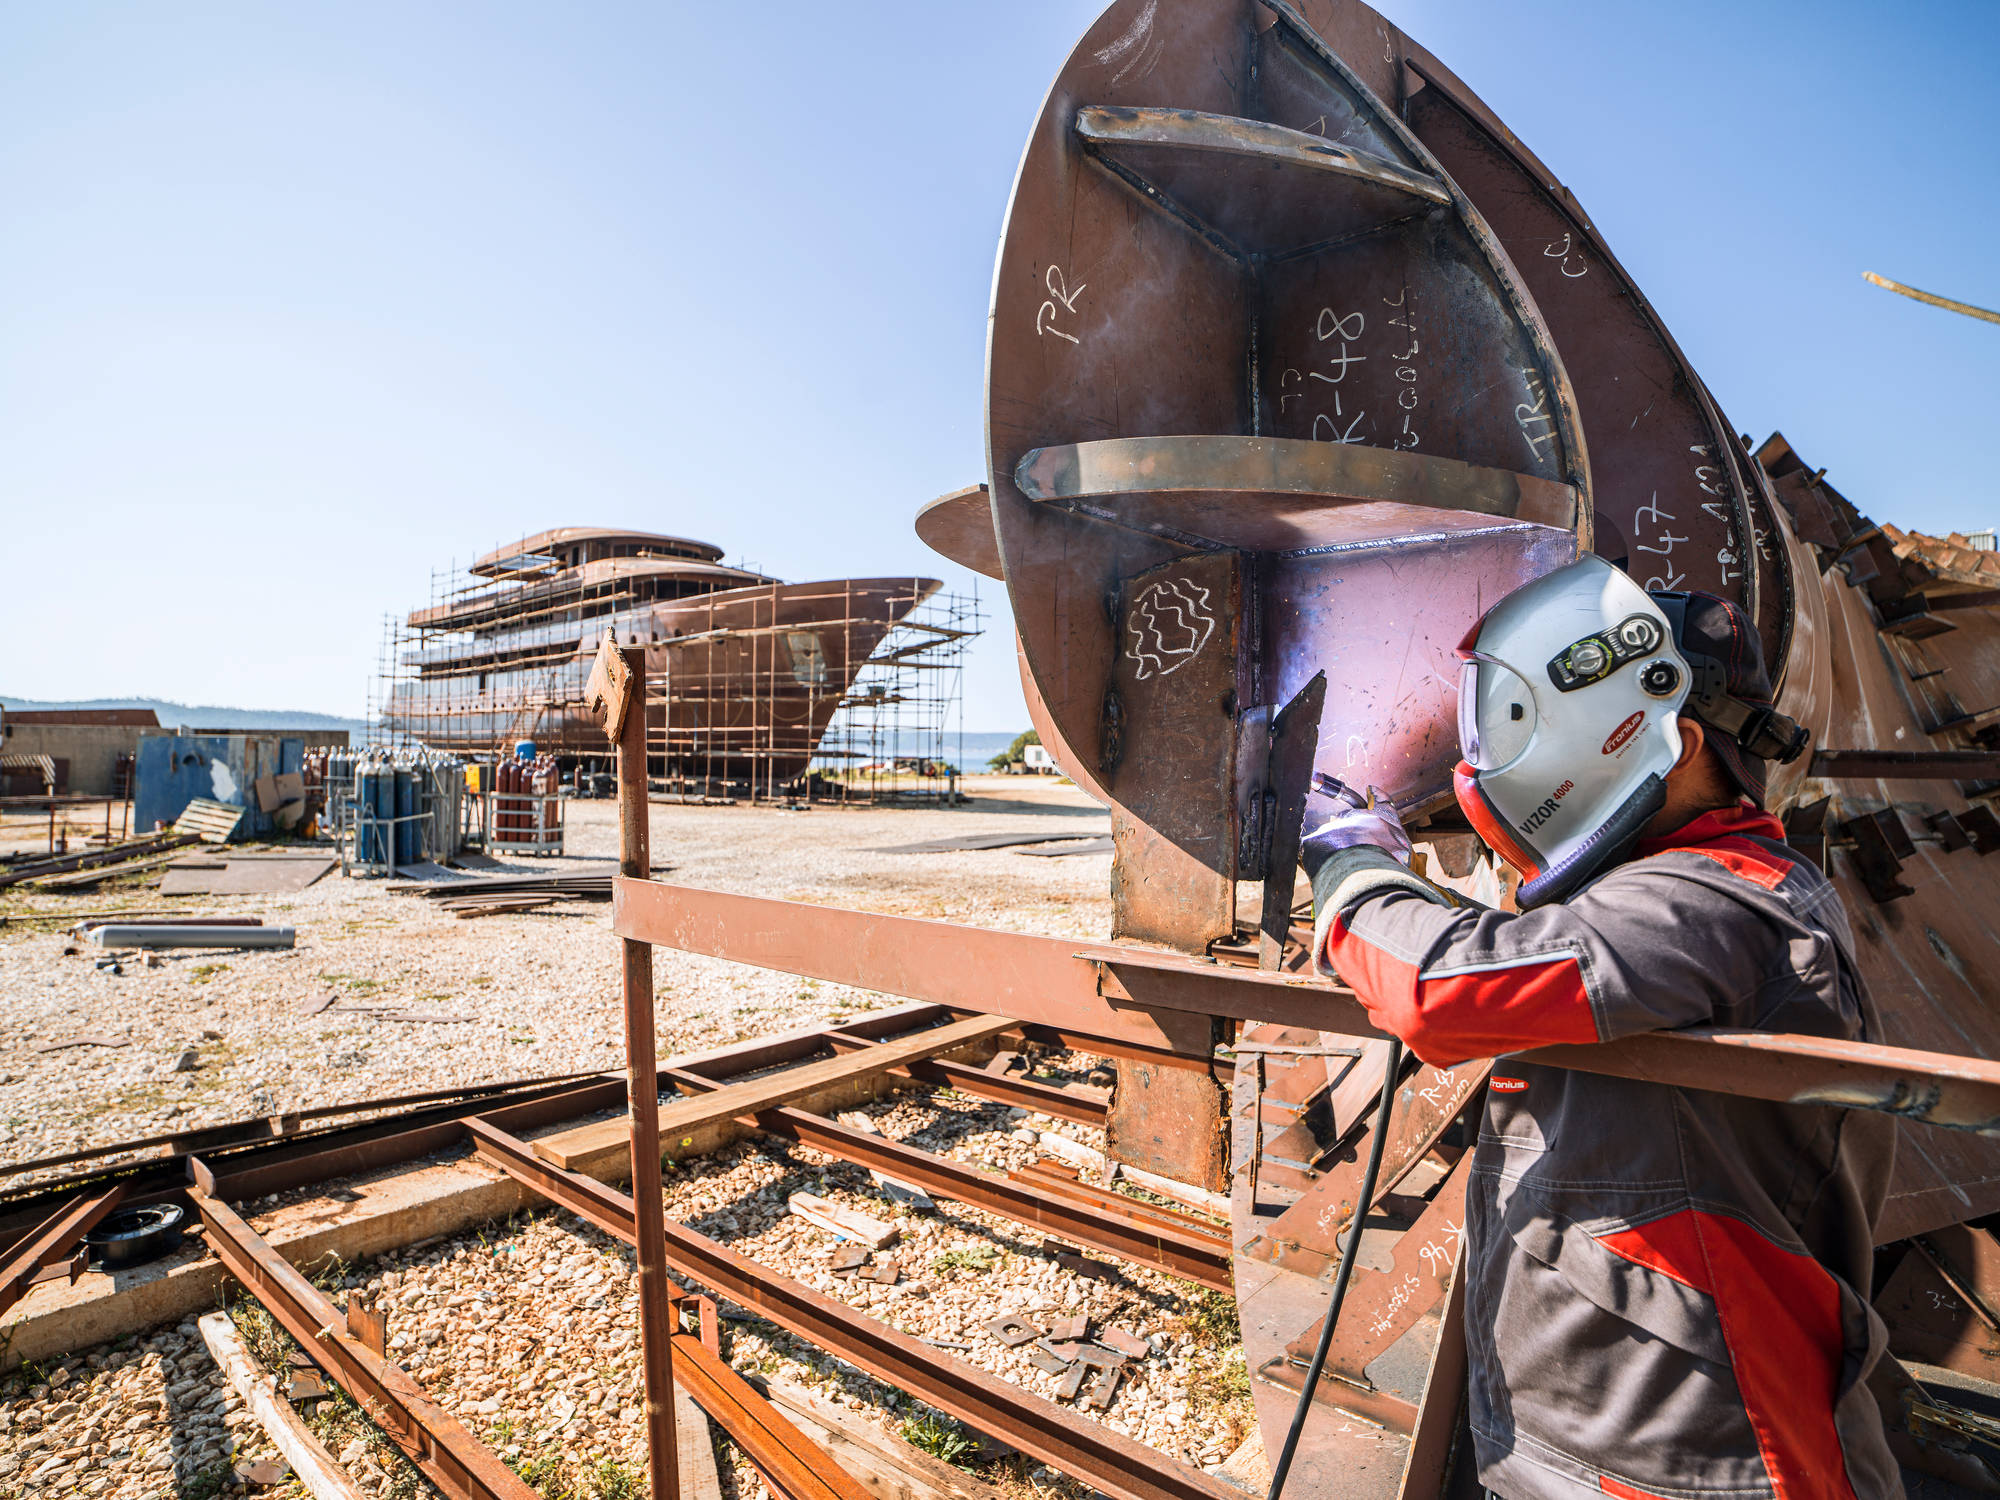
(750, 670)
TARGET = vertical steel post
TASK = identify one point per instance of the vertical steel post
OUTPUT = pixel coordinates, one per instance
(643, 1089)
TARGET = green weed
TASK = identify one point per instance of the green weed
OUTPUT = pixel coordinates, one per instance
(941, 1438)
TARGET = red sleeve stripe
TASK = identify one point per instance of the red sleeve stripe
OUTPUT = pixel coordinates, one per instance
(1780, 1317)
(1623, 1491)
(1448, 1018)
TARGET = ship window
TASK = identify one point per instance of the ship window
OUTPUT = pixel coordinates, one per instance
(482, 682)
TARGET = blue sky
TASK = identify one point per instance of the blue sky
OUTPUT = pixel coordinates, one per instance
(304, 301)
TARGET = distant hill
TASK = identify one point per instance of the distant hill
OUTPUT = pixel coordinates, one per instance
(204, 715)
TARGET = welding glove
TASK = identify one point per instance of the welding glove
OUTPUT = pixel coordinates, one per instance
(1355, 821)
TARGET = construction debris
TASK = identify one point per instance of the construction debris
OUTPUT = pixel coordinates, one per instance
(824, 1213)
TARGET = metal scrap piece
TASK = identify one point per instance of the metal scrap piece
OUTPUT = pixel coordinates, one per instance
(1105, 1387)
(1047, 1363)
(1128, 1344)
(1012, 1330)
(849, 1259)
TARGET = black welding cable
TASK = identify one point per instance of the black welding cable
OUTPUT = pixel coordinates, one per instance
(1391, 1067)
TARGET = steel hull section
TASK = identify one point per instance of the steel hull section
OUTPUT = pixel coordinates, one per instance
(746, 679)
(1183, 367)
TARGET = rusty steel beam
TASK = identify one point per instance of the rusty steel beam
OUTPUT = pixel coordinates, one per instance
(1077, 985)
(1160, 1247)
(793, 1465)
(1104, 1200)
(429, 1436)
(624, 676)
(50, 1241)
(365, 1156)
(974, 969)
(1121, 1468)
(1022, 1093)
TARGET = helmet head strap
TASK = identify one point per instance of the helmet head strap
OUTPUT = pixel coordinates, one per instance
(1757, 728)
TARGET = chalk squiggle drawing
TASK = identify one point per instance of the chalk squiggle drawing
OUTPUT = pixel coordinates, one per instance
(1170, 622)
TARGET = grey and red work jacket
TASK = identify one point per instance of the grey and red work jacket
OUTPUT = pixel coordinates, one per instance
(1667, 1289)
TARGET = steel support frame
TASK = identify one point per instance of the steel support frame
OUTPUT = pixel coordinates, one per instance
(1155, 997)
(1022, 1093)
(1120, 1467)
(625, 719)
(429, 1436)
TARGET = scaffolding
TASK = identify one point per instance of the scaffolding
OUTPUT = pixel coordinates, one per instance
(844, 690)
(863, 708)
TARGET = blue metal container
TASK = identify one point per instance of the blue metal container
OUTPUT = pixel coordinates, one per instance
(172, 770)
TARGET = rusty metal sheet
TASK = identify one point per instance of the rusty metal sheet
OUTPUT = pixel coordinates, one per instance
(959, 526)
(1382, 1306)
(1942, 1304)
(1305, 1238)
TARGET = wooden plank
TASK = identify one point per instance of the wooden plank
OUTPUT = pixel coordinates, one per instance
(680, 1121)
(212, 822)
(824, 1213)
(316, 1469)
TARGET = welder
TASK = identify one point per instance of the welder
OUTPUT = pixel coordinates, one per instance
(1666, 1289)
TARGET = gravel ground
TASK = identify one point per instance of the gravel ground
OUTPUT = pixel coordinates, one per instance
(526, 1330)
(540, 989)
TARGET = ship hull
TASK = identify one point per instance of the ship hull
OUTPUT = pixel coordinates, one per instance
(743, 682)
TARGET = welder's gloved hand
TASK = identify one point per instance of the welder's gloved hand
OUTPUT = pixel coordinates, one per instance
(1353, 822)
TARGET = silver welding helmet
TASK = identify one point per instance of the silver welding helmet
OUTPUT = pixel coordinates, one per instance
(1567, 719)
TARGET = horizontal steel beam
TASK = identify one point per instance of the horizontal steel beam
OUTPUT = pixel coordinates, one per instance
(1078, 987)
(1198, 1258)
(429, 1436)
(1120, 1467)
(967, 968)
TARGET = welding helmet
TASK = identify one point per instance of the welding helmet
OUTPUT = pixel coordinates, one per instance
(1569, 696)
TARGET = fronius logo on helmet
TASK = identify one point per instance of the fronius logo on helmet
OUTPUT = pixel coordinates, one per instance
(1547, 810)
(1624, 732)
(1507, 1085)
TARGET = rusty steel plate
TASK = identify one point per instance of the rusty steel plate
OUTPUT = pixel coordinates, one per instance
(1264, 394)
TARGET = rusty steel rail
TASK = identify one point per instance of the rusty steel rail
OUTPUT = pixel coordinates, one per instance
(1022, 1093)
(1160, 1247)
(1060, 982)
(429, 1436)
(50, 1241)
(793, 1465)
(1120, 1467)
